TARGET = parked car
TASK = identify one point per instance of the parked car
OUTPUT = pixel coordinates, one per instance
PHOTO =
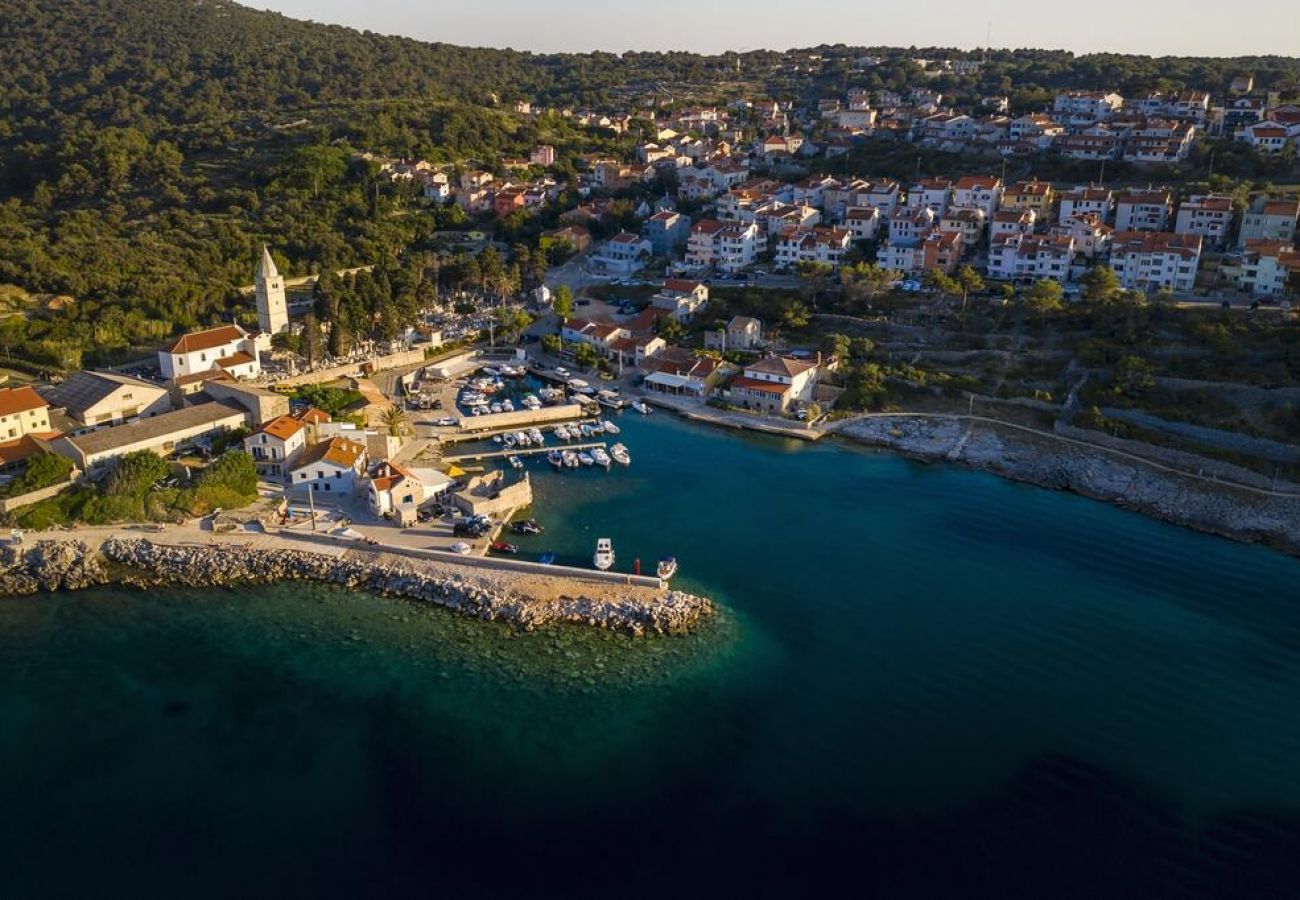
(447, 421)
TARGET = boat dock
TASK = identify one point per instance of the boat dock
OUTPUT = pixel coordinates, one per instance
(524, 451)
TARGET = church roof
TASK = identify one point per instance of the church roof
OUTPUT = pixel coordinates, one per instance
(266, 269)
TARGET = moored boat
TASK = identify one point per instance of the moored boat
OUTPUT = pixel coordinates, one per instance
(555, 458)
(620, 455)
(585, 459)
(641, 406)
(610, 427)
(570, 459)
(600, 457)
(515, 462)
(667, 567)
(604, 556)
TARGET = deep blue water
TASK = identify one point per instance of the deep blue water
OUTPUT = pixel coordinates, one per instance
(925, 682)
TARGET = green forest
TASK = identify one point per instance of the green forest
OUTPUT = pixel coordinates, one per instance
(148, 149)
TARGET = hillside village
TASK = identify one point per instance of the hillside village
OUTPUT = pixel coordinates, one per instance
(665, 250)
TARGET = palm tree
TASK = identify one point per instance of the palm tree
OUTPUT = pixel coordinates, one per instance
(395, 420)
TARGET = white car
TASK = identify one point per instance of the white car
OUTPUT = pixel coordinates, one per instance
(460, 547)
(561, 371)
(447, 422)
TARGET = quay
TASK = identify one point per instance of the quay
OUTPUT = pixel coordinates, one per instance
(525, 451)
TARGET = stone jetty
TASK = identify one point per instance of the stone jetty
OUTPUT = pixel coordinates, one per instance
(527, 601)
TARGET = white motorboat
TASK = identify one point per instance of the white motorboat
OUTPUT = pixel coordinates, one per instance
(587, 430)
(523, 440)
(600, 457)
(641, 406)
(604, 556)
(555, 458)
(570, 459)
(620, 455)
(562, 432)
(610, 427)
(515, 462)
(585, 459)
(509, 441)
(578, 386)
(507, 405)
(495, 407)
(496, 438)
(667, 567)
(535, 435)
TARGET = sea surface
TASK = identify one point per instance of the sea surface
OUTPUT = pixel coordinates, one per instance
(923, 682)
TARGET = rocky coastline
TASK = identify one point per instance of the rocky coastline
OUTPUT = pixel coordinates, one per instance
(52, 565)
(1209, 506)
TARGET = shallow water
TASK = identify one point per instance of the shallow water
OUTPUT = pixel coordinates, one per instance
(925, 682)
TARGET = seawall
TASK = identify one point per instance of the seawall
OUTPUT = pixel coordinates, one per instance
(528, 602)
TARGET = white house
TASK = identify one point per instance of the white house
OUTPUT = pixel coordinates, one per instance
(982, 192)
(772, 385)
(863, 222)
(1086, 199)
(226, 347)
(274, 445)
(1207, 215)
(329, 467)
(1269, 220)
(681, 299)
(815, 245)
(1154, 259)
(932, 193)
(22, 412)
(624, 253)
(1023, 256)
(1143, 210)
(1267, 267)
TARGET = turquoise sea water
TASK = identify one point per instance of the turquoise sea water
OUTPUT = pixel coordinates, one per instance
(925, 682)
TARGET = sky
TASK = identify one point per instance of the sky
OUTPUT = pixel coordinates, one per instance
(1155, 27)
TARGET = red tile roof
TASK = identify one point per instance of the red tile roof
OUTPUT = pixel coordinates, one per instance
(20, 399)
(206, 340)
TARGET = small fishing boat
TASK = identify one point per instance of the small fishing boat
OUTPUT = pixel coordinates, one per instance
(515, 462)
(495, 407)
(578, 386)
(555, 458)
(509, 441)
(620, 455)
(570, 459)
(667, 567)
(496, 438)
(610, 399)
(600, 457)
(504, 547)
(598, 427)
(535, 435)
(585, 459)
(507, 405)
(522, 439)
(587, 430)
(610, 427)
(603, 559)
(641, 406)
(562, 432)
(526, 526)
(547, 558)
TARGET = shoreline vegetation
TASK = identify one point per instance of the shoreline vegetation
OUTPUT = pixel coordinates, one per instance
(77, 561)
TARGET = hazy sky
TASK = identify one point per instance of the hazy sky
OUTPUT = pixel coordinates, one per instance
(1183, 27)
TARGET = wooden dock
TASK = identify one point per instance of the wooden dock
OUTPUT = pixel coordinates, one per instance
(523, 451)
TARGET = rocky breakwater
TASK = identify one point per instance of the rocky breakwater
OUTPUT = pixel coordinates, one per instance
(526, 601)
(49, 566)
(1094, 472)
